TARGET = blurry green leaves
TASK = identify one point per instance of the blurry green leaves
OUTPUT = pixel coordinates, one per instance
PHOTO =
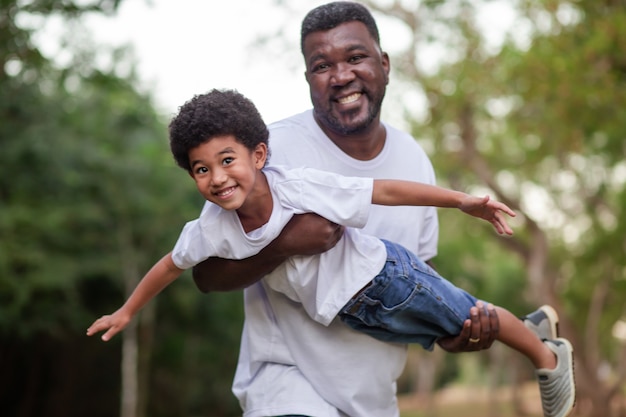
(538, 124)
(82, 152)
(90, 198)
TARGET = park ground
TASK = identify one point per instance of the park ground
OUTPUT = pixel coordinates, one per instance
(464, 401)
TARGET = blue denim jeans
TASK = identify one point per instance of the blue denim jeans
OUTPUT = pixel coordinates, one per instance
(408, 302)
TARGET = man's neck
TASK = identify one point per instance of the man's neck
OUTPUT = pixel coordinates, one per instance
(362, 146)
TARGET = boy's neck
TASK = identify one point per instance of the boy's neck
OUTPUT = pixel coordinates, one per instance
(258, 208)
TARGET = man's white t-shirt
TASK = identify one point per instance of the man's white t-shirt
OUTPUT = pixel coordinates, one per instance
(290, 364)
(323, 283)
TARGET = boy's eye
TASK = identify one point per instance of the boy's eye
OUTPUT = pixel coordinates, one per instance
(227, 161)
(202, 170)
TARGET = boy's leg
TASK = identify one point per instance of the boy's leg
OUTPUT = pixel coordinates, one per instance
(408, 302)
(552, 358)
(514, 333)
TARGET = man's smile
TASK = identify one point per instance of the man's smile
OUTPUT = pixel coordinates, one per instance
(349, 99)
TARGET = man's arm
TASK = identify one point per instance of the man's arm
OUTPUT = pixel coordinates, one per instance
(305, 234)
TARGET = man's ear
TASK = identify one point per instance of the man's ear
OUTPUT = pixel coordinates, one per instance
(386, 62)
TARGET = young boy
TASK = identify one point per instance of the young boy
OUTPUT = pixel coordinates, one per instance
(373, 285)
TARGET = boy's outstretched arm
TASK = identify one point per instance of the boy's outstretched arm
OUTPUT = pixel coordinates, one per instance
(159, 276)
(304, 234)
(408, 193)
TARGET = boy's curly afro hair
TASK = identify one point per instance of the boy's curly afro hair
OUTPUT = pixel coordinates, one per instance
(216, 113)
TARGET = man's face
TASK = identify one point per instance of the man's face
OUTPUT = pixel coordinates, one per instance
(347, 75)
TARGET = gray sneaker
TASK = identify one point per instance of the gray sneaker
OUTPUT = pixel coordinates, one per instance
(557, 386)
(544, 322)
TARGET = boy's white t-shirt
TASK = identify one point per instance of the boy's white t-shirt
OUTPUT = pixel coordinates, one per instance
(290, 364)
(323, 283)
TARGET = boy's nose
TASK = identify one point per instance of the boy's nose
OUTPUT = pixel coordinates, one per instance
(218, 177)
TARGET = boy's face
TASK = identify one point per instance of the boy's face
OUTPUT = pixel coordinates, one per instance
(225, 171)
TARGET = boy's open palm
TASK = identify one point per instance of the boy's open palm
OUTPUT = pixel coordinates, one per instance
(490, 210)
(113, 324)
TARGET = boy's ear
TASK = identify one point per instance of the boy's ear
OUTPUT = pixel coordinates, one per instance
(260, 155)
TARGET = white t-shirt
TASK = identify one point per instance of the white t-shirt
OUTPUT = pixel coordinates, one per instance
(322, 283)
(290, 364)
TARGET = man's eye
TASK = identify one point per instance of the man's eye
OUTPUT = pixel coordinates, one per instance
(356, 58)
(320, 68)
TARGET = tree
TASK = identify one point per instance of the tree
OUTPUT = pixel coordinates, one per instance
(89, 198)
(537, 123)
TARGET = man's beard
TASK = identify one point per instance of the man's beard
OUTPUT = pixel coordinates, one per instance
(345, 129)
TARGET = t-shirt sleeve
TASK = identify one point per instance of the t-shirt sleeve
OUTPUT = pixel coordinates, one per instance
(344, 200)
(191, 247)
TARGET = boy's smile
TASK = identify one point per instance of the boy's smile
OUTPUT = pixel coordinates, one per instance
(228, 174)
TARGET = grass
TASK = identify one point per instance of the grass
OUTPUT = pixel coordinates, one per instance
(467, 410)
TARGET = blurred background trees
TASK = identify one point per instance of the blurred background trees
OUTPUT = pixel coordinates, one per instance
(90, 198)
(537, 122)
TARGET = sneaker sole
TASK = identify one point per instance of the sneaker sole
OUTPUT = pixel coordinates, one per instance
(570, 358)
(553, 318)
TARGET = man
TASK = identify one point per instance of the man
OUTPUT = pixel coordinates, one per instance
(289, 364)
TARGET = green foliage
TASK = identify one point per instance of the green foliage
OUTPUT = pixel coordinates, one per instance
(71, 169)
(204, 351)
(89, 195)
(473, 259)
(538, 124)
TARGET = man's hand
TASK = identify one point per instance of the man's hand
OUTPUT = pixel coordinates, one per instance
(478, 333)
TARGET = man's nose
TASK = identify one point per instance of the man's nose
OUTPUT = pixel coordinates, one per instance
(342, 74)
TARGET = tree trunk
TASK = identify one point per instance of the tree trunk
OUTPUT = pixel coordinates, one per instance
(496, 354)
(129, 403)
(146, 343)
(423, 369)
(129, 386)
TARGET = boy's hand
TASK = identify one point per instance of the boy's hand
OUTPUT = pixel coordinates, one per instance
(490, 210)
(113, 324)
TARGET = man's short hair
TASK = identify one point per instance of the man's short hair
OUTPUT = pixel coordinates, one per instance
(331, 15)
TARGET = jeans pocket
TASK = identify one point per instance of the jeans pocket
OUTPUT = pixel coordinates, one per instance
(398, 291)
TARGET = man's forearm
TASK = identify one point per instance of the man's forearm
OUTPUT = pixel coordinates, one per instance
(431, 264)
(217, 274)
(304, 234)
